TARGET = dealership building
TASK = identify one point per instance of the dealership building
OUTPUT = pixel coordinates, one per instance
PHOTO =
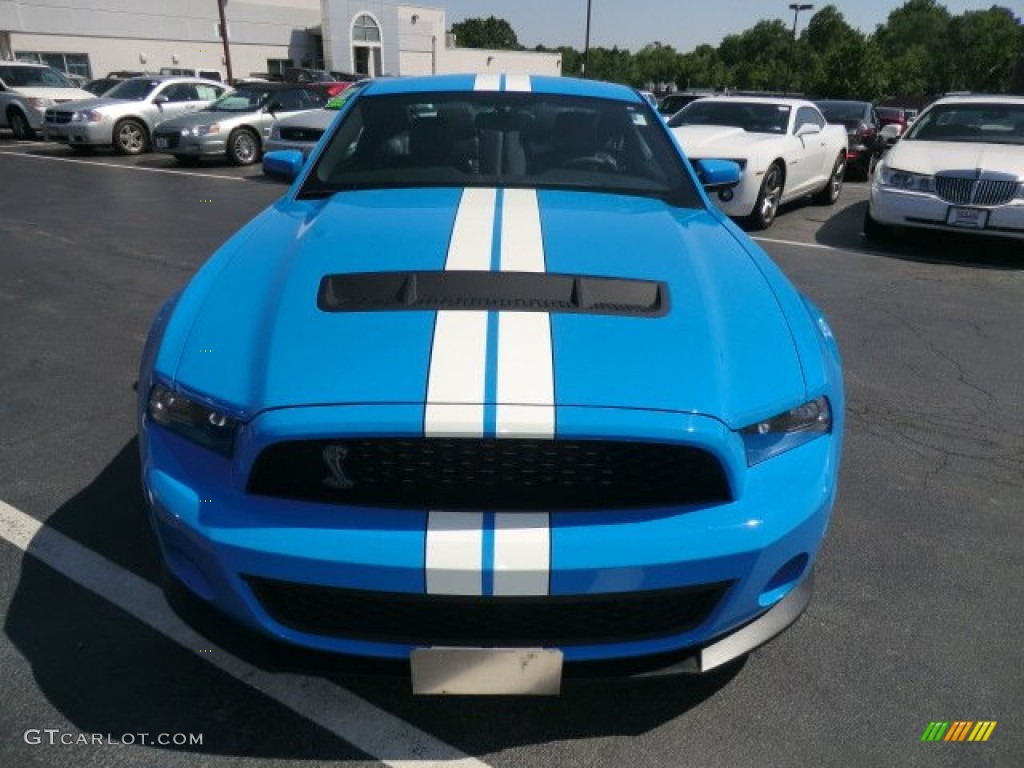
(362, 37)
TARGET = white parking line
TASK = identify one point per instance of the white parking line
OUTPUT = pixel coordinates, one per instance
(374, 731)
(123, 167)
(819, 246)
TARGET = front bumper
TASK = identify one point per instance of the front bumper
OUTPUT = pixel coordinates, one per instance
(56, 131)
(217, 539)
(190, 146)
(901, 208)
(99, 134)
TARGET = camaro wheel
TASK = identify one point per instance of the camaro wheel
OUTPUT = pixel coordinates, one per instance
(243, 147)
(768, 198)
(19, 125)
(130, 137)
(829, 194)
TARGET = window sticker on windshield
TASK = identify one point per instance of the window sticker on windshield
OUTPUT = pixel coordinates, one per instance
(638, 119)
(337, 101)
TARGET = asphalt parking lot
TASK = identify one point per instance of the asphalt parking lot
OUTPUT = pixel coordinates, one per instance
(920, 583)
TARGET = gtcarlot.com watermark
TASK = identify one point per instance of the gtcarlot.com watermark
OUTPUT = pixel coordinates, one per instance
(55, 736)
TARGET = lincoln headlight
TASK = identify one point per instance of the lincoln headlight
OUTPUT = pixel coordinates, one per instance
(912, 182)
(787, 430)
(195, 421)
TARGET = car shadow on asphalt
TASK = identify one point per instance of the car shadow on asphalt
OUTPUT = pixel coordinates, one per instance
(845, 230)
(109, 673)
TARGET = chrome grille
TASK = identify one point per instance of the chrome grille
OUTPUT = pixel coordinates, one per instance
(961, 191)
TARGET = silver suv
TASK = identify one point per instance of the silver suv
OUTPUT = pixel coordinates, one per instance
(26, 90)
(126, 115)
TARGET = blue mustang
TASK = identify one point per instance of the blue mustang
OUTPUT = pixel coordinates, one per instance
(494, 380)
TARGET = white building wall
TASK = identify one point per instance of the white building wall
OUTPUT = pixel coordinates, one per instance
(421, 32)
(115, 33)
(476, 60)
(338, 16)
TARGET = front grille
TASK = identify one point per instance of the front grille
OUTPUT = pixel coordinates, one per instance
(418, 619)
(301, 134)
(172, 139)
(489, 474)
(962, 191)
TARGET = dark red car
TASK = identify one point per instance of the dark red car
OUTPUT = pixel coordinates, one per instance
(895, 116)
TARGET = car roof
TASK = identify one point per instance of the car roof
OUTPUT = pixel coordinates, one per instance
(24, 64)
(842, 101)
(787, 101)
(996, 98)
(567, 86)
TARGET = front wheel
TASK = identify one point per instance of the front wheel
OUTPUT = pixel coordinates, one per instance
(130, 138)
(243, 147)
(768, 198)
(19, 125)
(873, 229)
(829, 194)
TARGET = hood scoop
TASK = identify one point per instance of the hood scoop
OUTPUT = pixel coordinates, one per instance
(482, 291)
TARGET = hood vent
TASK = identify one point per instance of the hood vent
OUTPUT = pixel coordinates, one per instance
(481, 291)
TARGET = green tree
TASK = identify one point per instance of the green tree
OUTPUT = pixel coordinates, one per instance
(914, 42)
(491, 32)
(983, 48)
(655, 64)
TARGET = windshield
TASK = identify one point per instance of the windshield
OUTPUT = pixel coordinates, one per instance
(988, 123)
(242, 100)
(33, 77)
(135, 89)
(842, 111)
(501, 139)
(751, 116)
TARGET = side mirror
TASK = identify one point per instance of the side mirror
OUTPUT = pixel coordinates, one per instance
(283, 164)
(808, 129)
(890, 134)
(717, 175)
(161, 99)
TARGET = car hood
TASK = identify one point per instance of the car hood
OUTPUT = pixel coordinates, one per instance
(703, 141)
(931, 157)
(248, 332)
(98, 102)
(319, 119)
(59, 95)
(204, 117)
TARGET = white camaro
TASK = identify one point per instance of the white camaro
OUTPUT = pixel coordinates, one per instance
(960, 166)
(785, 148)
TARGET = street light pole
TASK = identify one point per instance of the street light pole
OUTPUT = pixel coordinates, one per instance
(224, 39)
(586, 43)
(795, 8)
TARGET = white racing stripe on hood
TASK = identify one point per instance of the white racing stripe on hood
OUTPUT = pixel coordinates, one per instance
(521, 541)
(458, 360)
(526, 387)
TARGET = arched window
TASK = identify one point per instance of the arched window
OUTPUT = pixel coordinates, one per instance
(365, 29)
(366, 45)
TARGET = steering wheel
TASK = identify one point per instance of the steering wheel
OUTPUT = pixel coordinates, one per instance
(599, 161)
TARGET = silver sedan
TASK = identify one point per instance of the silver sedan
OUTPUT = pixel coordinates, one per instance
(237, 125)
(302, 132)
(127, 114)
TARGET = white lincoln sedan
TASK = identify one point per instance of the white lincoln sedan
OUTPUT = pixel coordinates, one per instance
(960, 167)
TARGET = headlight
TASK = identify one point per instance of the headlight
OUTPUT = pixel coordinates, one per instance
(787, 430)
(913, 182)
(40, 103)
(87, 116)
(194, 421)
(201, 130)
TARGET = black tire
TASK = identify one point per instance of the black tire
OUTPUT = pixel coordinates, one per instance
(130, 137)
(874, 230)
(19, 125)
(243, 147)
(768, 198)
(829, 194)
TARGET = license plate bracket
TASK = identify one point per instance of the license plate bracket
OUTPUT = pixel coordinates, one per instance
(486, 671)
(967, 218)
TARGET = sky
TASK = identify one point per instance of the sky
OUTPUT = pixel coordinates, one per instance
(683, 24)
